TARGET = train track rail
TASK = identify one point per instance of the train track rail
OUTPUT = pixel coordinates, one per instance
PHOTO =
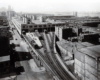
(43, 59)
(49, 59)
(57, 64)
(51, 56)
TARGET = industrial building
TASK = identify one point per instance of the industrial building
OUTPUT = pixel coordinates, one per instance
(46, 32)
(69, 31)
(9, 51)
(71, 39)
(36, 25)
(81, 58)
(65, 47)
(6, 64)
(78, 46)
(87, 62)
(3, 21)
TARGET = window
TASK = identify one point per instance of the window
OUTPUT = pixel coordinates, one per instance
(53, 25)
(1, 64)
(23, 26)
(28, 22)
(7, 64)
(40, 25)
(30, 26)
(44, 25)
(35, 26)
(49, 25)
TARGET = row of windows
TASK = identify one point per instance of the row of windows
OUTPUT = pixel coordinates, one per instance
(34, 26)
(41, 26)
(3, 21)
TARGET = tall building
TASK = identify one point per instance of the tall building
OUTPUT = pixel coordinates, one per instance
(7, 64)
(75, 14)
(65, 32)
(3, 13)
(4, 47)
(9, 8)
(87, 64)
(10, 12)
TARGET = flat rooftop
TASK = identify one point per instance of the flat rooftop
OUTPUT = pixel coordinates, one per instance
(93, 51)
(3, 17)
(69, 45)
(4, 26)
(53, 22)
(38, 22)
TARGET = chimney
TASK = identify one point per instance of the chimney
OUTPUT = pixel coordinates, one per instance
(74, 48)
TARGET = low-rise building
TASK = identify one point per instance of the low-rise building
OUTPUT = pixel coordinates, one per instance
(65, 32)
(67, 48)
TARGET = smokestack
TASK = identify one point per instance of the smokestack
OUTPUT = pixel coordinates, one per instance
(74, 48)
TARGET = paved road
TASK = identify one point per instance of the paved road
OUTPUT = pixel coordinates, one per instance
(22, 51)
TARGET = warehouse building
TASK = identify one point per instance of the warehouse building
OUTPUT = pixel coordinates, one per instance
(6, 65)
(36, 25)
(7, 52)
(82, 59)
(87, 63)
(65, 32)
(3, 21)
(67, 47)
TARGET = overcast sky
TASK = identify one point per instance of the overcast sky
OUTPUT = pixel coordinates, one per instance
(52, 5)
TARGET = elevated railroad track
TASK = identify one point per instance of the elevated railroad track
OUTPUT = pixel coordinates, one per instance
(47, 55)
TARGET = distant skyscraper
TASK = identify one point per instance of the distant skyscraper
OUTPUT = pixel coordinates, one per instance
(9, 8)
(12, 9)
(75, 14)
(10, 12)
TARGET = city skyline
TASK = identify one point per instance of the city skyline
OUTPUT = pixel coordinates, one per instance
(41, 6)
